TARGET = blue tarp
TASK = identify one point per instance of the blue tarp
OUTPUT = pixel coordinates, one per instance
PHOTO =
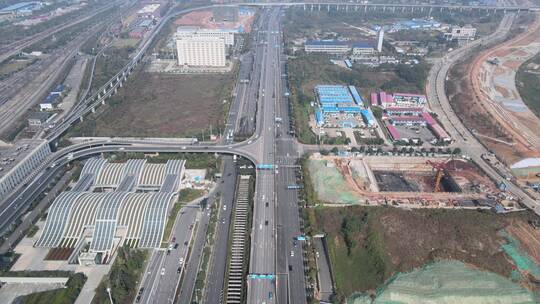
(319, 117)
(356, 95)
(368, 118)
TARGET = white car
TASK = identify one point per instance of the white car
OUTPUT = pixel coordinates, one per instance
(181, 261)
(292, 253)
(162, 271)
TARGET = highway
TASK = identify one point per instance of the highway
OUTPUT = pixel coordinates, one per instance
(161, 276)
(291, 287)
(218, 260)
(263, 237)
(275, 225)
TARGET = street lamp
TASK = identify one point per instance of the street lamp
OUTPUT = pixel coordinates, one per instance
(109, 292)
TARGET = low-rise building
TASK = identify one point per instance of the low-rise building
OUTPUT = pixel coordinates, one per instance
(363, 48)
(466, 32)
(49, 103)
(36, 119)
(152, 10)
(327, 46)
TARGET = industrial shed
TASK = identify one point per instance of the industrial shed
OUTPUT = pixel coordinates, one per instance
(130, 208)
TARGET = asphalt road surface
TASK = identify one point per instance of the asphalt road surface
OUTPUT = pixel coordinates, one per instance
(162, 276)
(218, 263)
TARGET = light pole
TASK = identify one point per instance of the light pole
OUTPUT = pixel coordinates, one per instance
(109, 292)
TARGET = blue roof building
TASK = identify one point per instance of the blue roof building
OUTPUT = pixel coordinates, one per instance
(333, 94)
(319, 117)
(59, 89)
(368, 117)
(356, 96)
(22, 7)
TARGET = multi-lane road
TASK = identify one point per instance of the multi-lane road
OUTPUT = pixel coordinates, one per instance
(275, 219)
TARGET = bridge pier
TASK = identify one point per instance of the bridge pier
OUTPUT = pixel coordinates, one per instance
(365, 8)
(356, 8)
(328, 7)
(393, 9)
(319, 7)
(103, 101)
(81, 118)
(104, 91)
(93, 110)
(430, 10)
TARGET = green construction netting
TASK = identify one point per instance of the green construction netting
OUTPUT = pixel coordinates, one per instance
(519, 256)
(329, 184)
(449, 282)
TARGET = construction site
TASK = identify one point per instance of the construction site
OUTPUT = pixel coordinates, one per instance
(414, 182)
(490, 87)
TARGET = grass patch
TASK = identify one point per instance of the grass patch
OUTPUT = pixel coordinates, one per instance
(32, 231)
(12, 66)
(160, 105)
(58, 296)
(123, 278)
(188, 194)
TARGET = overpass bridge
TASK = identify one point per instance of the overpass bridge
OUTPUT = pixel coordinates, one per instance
(354, 6)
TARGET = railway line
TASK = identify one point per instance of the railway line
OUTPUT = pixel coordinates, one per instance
(16, 47)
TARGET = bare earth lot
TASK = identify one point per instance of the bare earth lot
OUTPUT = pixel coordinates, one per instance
(162, 105)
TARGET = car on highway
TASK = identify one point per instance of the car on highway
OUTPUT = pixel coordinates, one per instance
(181, 261)
(162, 271)
(175, 245)
(292, 253)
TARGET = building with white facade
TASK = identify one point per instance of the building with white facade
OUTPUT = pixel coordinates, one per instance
(461, 33)
(363, 48)
(195, 31)
(380, 39)
(201, 51)
(327, 46)
(18, 161)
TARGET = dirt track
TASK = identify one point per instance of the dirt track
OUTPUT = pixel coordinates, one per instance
(522, 125)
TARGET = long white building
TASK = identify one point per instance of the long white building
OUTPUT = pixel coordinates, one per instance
(201, 51)
(183, 32)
